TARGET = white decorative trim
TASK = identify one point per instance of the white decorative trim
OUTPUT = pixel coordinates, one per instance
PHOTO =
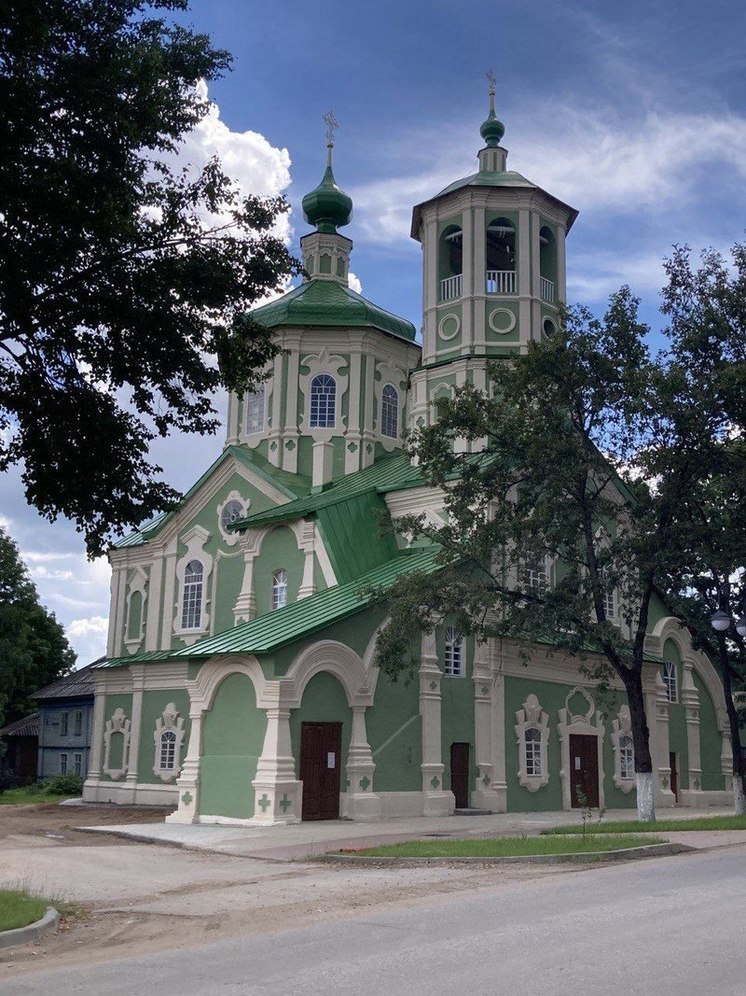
(138, 583)
(441, 326)
(621, 727)
(337, 659)
(397, 378)
(195, 540)
(118, 725)
(231, 536)
(583, 725)
(502, 311)
(168, 722)
(532, 717)
(324, 362)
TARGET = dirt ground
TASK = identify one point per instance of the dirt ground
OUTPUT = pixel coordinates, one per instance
(133, 898)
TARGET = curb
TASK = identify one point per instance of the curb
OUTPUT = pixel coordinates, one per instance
(583, 857)
(32, 931)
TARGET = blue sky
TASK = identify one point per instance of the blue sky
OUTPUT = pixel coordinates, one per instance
(634, 113)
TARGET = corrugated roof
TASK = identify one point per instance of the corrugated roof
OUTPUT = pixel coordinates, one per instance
(146, 656)
(331, 304)
(26, 727)
(355, 537)
(300, 619)
(77, 683)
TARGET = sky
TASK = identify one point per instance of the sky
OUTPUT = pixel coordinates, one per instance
(634, 113)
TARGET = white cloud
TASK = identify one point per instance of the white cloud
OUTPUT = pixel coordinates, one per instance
(354, 282)
(43, 573)
(93, 626)
(88, 637)
(45, 557)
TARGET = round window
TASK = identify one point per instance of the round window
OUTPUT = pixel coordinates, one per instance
(549, 327)
(232, 511)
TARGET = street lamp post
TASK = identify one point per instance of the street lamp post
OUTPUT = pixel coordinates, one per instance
(721, 621)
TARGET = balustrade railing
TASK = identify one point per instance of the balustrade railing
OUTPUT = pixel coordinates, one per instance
(546, 288)
(451, 287)
(500, 282)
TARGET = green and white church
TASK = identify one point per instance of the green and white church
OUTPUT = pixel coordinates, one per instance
(239, 685)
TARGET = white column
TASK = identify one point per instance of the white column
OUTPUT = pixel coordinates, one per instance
(154, 603)
(561, 266)
(482, 796)
(290, 432)
(275, 432)
(436, 802)
(138, 687)
(690, 701)
(661, 761)
(188, 781)
(231, 438)
(245, 607)
(308, 539)
(278, 795)
(323, 452)
(352, 434)
(360, 802)
(97, 745)
(169, 596)
(111, 646)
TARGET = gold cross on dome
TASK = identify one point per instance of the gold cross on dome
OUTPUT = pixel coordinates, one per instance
(331, 125)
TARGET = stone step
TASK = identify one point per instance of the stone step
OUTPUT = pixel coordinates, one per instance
(472, 812)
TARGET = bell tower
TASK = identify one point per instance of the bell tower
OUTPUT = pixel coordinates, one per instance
(493, 251)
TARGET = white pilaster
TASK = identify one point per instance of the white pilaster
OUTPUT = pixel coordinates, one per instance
(97, 736)
(138, 687)
(323, 453)
(360, 801)
(436, 802)
(661, 761)
(278, 794)
(188, 781)
(690, 701)
(155, 602)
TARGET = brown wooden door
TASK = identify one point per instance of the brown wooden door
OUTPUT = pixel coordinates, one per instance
(320, 759)
(460, 774)
(583, 770)
(674, 775)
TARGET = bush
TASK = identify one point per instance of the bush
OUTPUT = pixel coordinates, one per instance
(63, 785)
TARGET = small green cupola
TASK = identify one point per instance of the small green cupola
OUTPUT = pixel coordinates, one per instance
(492, 129)
(326, 253)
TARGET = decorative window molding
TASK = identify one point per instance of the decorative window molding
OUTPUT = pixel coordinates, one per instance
(323, 405)
(168, 737)
(670, 678)
(390, 412)
(255, 410)
(453, 653)
(389, 389)
(323, 365)
(117, 726)
(234, 507)
(195, 540)
(137, 597)
(624, 755)
(279, 588)
(532, 737)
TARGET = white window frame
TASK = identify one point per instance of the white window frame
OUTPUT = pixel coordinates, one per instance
(279, 588)
(195, 540)
(453, 653)
(626, 757)
(670, 677)
(389, 421)
(192, 595)
(621, 728)
(169, 724)
(531, 718)
(255, 410)
(322, 412)
(63, 763)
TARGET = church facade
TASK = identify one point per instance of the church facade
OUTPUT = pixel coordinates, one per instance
(239, 684)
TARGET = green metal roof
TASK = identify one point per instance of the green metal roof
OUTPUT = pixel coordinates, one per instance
(486, 178)
(302, 618)
(291, 485)
(389, 474)
(144, 658)
(329, 303)
(357, 535)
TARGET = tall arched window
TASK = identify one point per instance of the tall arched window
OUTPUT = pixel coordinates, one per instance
(191, 602)
(323, 402)
(454, 656)
(626, 758)
(532, 746)
(279, 588)
(168, 751)
(500, 257)
(450, 263)
(390, 412)
(670, 680)
(255, 410)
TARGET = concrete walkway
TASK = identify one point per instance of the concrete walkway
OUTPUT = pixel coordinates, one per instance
(301, 840)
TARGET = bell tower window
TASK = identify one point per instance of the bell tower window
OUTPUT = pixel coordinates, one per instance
(500, 257)
(255, 410)
(547, 265)
(390, 412)
(451, 251)
(323, 402)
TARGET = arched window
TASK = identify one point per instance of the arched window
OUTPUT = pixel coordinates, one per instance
(454, 656)
(134, 616)
(191, 601)
(450, 258)
(670, 680)
(390, 412)
(255, 410)
(532, 747)
(279, 588)
(534, 575)
(547, 264)
(168, 750)
(500, 257)
(608, 595)
(323, 402)
(626, 758)
(233, 510)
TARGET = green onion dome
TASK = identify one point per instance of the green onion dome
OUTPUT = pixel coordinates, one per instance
(327, 207)
(492, 130)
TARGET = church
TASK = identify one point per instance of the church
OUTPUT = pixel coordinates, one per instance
(239, 684)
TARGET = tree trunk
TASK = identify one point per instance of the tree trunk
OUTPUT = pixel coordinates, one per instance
(641, 742)
(735, 737)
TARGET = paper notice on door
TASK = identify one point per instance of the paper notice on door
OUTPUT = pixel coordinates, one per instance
(331, 759)
(577, 764)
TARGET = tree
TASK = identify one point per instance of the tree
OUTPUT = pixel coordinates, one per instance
(116, 294)
(551, 465)
(33, 647)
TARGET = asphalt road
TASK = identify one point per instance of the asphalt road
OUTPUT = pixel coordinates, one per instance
(661, 926)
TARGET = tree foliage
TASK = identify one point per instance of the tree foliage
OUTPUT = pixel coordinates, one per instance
(123, 276)
(583, 454)
(33, 647)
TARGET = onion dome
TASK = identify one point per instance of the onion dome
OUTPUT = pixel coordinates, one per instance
(328, 207)
(492, 129)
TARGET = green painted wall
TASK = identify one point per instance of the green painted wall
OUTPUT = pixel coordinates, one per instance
(457, 709)
(153, 704)
(355, 632)
(551, 698)
(134, 616)
(677, 736)
(279, 549)
(710, 743)
(232, 740)
(228, 575)
(395, 736)
(113, 702)
(324, 701)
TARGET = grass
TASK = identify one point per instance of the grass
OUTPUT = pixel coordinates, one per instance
(503, 847)
(31, 795)
(18, 908)
(634, 826)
